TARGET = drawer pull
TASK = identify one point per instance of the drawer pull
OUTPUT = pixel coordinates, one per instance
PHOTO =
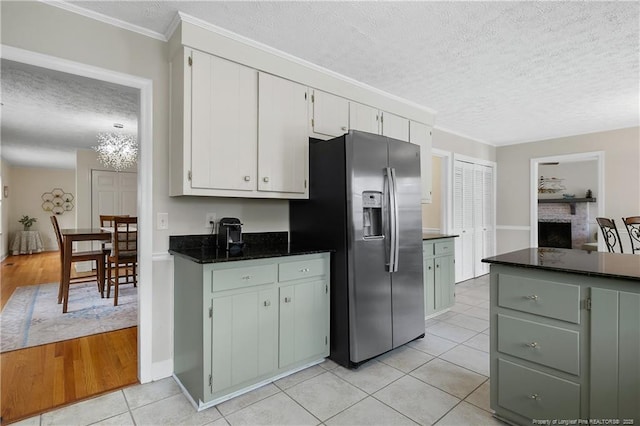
(247, 178)
(246, 277)
(535, 396)
(304, 270)
(533, 345)
(532, 297)
(287, 299)
(267, 303)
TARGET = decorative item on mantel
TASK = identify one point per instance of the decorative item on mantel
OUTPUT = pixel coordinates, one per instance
(589, 194)
(117, 150)
(57, 201)
(550, 185)
(27, 221)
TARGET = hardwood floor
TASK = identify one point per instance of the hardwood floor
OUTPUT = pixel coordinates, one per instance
(37, 379)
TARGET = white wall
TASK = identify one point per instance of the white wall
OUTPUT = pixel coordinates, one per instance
(431, 213)
(25, 196)
(452, 142)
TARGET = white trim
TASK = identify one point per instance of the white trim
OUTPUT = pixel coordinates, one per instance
(446, 192)
(162, 369)
(279, 53)
(145, 181)
(431, 231)
(462, 135)
(474, 160)
(513, 228)
(566, 158)
(104, 18)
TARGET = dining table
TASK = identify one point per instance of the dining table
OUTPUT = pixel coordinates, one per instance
(69, 236)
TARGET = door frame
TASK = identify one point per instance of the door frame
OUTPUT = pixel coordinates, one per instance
(566, 158)
(446, 209)
(145, 181)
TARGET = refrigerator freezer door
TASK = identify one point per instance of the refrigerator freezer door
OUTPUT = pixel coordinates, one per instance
(369, 283)
(407, 283)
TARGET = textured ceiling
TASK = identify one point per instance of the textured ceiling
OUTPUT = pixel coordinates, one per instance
(47, 115)
(499, 72)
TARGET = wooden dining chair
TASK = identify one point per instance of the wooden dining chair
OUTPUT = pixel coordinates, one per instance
(124, 254)
(610, 233)
(80, 256)
(633, 228)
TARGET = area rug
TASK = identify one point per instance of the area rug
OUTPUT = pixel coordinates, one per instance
(33, 317)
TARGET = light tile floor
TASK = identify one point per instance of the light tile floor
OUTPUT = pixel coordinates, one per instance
(442, 379)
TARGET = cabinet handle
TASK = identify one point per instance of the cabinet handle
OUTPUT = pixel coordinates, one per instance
(437, 266)
(246, 277)
(533, 345)
(534, 396)
(265, 179)
(247, 178)
(344, 127)
(532, 297)
(304, 270)
(287, 299)
(429, 267)
(267, 303)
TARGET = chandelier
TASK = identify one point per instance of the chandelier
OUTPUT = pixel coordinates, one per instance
(117, 150)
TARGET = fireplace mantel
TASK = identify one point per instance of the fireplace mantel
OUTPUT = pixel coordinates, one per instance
(571, 201)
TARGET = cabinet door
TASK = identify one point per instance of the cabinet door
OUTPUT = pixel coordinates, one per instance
(445, 283)
(330, 114)
(420, 134)
(224, 116)
(303, 321)
(283, 142)
(395, 126)
(430, 297)
(615, 354)
(244, 336)
(363, 118)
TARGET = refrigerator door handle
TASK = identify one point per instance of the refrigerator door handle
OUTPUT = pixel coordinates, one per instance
(389, 195)
(395, 224)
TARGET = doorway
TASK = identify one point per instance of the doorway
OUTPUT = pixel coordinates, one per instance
(145, 183)
(563, 184)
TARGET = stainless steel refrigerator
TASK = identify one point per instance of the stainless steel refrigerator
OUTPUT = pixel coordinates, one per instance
(364, 204)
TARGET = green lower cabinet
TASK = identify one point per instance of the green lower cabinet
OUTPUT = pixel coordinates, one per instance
(564, 347)
(439, 278)
(240, 324)
(303, 321)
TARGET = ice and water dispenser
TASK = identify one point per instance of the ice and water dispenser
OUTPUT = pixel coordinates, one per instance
(372, 214)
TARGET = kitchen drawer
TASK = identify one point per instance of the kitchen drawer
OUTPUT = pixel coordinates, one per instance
(536, 395)
(540, 297)
(288, 271)
(444, 247)
(554, 347)
(233, 278)
(427, 249)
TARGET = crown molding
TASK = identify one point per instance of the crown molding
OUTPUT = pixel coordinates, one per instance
(104, 18)
(462, 135)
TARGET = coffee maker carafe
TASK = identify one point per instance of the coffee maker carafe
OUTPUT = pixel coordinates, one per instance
(230, 235)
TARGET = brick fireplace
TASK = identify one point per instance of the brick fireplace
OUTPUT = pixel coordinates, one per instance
(562, 226)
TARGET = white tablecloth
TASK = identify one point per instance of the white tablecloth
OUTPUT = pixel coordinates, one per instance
(27, 242)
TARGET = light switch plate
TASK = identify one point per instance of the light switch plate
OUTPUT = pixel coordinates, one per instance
(163, 221)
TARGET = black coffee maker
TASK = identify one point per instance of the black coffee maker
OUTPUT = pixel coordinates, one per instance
(230, 235)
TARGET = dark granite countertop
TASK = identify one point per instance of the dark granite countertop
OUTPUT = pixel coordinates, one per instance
(435, 236)
(202, 248)
(594, 263)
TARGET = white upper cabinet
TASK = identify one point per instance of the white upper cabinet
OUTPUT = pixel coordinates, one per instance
(330, 114)
(363, 118)
(283, 141)
(224, 124)
(394, 126)
(420, 134)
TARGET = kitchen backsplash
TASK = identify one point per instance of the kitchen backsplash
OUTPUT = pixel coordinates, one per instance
(209, 240)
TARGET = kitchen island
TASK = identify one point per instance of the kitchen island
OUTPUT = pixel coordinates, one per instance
(565, 337)
(245, 319)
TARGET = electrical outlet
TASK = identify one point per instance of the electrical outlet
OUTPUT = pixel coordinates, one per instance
(163, 221)
(210, 220)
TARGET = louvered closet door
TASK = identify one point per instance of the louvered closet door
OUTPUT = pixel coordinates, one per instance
(464, 219)
(473, 218)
